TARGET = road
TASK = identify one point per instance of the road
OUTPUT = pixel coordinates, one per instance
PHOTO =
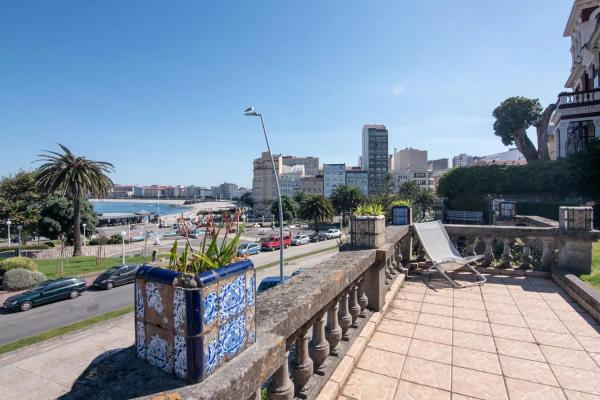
(17, 325)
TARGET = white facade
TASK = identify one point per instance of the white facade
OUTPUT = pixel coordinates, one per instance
(358, 178)
(264, 188)
(290, 180)
(577, 118)
(333, 176)
(411, 165)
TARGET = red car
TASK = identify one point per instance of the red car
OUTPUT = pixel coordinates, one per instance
(272, 242)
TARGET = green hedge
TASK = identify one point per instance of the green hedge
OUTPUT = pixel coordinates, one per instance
(41, 246)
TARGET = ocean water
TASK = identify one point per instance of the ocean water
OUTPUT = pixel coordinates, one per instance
(101, 207)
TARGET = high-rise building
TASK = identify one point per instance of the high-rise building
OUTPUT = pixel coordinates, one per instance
(264, 188)
(411, 165)
(439, 165)
(462, 160)
(312, 184)
(311, 164)
(356, 177)
(375, 156)
(333, 176)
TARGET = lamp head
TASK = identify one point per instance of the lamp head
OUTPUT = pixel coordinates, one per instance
(84, 225)
(123, 234)
(251, 112)
(8, 222)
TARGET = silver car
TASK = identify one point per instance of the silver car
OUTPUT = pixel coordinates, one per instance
(300, 240)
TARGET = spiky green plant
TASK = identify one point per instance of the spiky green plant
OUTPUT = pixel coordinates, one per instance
(369, 210)
(402, 203)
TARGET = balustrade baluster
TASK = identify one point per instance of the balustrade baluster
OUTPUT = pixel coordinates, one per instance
(471, 246)
(333, 331)
(363, 300)
(526, 258)
(319, 347)
(354, 306)
(548, 253)
(506, 254)
(420, 253)
(488, 254)
(302, 365)
(398, 257)
(281, 387)
(388, 275)
(344, 316)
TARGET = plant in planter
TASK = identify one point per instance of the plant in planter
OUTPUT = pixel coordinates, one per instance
(200, 312)
(368, 226)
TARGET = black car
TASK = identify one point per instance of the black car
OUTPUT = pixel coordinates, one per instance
(318, 237)
(115, 276)
(46, 292)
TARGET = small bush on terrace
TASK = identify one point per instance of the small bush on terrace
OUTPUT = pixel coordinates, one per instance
(19, 278)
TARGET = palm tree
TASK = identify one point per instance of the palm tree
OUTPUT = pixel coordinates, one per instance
(73, 177)
(316, 208)
(345, 198)
(424, 200)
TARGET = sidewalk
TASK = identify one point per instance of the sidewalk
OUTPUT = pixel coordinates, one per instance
(47, 370)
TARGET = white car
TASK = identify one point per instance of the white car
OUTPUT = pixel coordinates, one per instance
(333, 233)
(300, 240)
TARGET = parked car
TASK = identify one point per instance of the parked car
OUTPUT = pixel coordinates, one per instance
(116, 276)
(273, 242)
(46, 292)
(333, 233)
(300, 240)
(318, 237)
(269, 282)
(248, 249)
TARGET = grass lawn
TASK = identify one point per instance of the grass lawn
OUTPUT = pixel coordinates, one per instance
(594, 278)
(82, 265)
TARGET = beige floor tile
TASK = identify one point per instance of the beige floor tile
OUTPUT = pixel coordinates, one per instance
(430, 351)
(545, 324)
(411, 391)
(343, 370)
(456, 396)
(414, 288)
(406, 305)
(381, 362)
(564, 306)
(532, 371)
(437, 309)
(481, 385)
(524, 390)
(433, 334)
(465, 303)
(477, 360)
(468, 325)
(539, 313)
(565, 340)
(437, 299)
(365, 385)
(583, 328)
(396, 327)
(496, 298)
(473, 341)
(596, 358)
(428, 373)
(502, 308)
(590, 344)
(412, 296)
(532, 303)
(512, 332)
(515, 348)
(572, 395)
(507, 319)
(569, 358)
(439, 321)
(402, 315)
(558, 296)
(468, 313)
(575, 316)
(388, 342)
(577, 379)
(460, 294)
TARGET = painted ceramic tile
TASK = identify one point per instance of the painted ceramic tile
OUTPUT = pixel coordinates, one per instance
(210, 307)
(159, 304)
(212, 353)
(140, 339)
(250, 288)
(250, 325)
(232, 336)
(232, 297)
(139, 298)
(159, 348)
(180, 356)
(179, 310)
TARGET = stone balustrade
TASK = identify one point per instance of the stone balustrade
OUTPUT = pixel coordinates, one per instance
(576, 98)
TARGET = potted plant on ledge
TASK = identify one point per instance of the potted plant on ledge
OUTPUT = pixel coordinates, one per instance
(198, 313)
(368, 226)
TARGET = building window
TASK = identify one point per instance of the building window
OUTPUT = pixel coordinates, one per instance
(579, 135)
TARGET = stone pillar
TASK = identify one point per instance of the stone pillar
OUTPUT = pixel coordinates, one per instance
(548, 253)
(526, 258)
(488, 254)
(506, 255)
(302, 365)
(375, 282)
(281, 387)
(575, 255)
(319, 347)
(406, 249)
(333, 331)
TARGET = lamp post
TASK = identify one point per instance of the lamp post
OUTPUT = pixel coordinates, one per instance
(8, 222)
(84, 225)
(19, 228)
(250, 112)
(123, 247)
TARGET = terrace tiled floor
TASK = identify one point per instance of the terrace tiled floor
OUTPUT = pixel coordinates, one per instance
(513, 338)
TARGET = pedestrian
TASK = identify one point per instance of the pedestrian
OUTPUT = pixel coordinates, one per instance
(154, 255)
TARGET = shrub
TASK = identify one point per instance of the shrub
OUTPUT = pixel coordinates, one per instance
(18, 262)
(41, 246)
(19, 278)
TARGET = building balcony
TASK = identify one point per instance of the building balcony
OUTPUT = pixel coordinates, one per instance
(568, 100)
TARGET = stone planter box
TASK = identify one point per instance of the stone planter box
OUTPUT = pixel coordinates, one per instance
(367, 231)
(191, 332)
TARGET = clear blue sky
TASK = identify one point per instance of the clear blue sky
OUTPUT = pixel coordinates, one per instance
(158, 88)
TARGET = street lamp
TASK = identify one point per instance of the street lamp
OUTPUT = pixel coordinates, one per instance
(84, 225)
(250, 112)
(123, 246)
(19, 228)
(8, 222)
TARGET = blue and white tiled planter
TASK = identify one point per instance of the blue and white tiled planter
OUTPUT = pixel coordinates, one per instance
(191, 332)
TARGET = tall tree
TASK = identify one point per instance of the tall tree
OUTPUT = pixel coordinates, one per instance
(20, 201)
(345, 198)
(247, 199)
(74, 177)
(289, 208)
(423, 201)
(316, 208)
(514, 116)
(409, 190)
(300, 197)
(56, 218)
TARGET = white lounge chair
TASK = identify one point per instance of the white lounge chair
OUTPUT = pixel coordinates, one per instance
(443, 254)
